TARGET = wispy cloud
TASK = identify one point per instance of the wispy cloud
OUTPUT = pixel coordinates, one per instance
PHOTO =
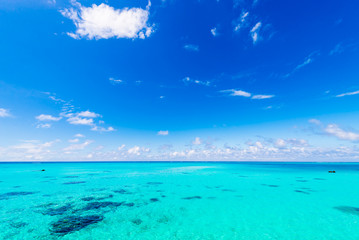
(46, 117)
(76, 147)
(255, 32)
(163, 133)
(103, 21)
(187, 80)
(115, 81)
(191, 47)
(336, 131)
(348, 94)
(308, 60)
(241, 93)
(4, 112)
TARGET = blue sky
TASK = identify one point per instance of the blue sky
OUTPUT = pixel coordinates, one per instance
(183, 80)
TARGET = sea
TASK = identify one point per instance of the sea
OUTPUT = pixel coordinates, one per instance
(179, 200)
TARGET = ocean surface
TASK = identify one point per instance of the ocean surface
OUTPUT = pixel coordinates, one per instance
(142, 201)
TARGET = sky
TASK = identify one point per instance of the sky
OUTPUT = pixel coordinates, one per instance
(170, 80)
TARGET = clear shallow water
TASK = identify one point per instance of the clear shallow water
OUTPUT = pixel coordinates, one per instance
(179, 201)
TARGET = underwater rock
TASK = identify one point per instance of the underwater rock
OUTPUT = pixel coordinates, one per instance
(137, 221)
(331, 171)
(194, 197)
(14, 194)
(154, 200)
(269, 185)
(228, 190)
(70, 177)
(154, 183)
(18, 224)
(98, 205)
(348, 209)
(57, 211)
(105, 197)
(87, 199)
(302, 180)
(71, 224)
(300, 191)
(121, 191)
(67, 183)
(128, 204)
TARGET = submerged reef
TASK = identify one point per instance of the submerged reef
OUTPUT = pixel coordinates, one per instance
(8, 195)
(190, 198)
(348, 209)
(71, 224)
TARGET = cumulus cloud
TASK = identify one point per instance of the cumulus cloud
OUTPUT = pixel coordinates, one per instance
(103, 21)
(102, 129)
(80, 121)
(197, 141)
(214, 32)
(136, 150)
(315, 121)
(336, 131)
(4, 112)
(45, 117)
(163, 133)
(88, 114)
(348, 94)
(191, 47)
(79, 135)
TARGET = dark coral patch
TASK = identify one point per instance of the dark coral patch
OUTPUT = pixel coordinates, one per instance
(72, 224)
(57, 211)
(78, 182)
(137, 221)
(70, 176)
(300, 191)
(154, 183)
(98, 205)
(270, 185)
(121, 191)
(302, 180)
(228, 190)
(14, 194)
(348, 209)
(190, 198)
(154, 200)
(18, 224)
(87, 199)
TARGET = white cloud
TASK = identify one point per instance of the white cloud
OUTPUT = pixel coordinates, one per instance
(45, 117)
(4, 112)
(102, 129)
(214, 32)
(80, 121)
(255, 32)
(334, 130)
(191, 47)
(88, 114)
(43, 125)
(234, 92)
(79, 135)
(197, 141)
(163, 133)
(136, 150)
(309, 59)
(75, 140)
(115, 81)
(190, 80)
(347, 94)
(103, 21)
(314, 121)
(75, 147)
(262, 96)
(241, 22)
(121, 147)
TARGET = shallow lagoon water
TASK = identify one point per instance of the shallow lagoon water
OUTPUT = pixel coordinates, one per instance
(179, 201)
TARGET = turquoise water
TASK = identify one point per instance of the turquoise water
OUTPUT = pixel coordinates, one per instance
(179, 201)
